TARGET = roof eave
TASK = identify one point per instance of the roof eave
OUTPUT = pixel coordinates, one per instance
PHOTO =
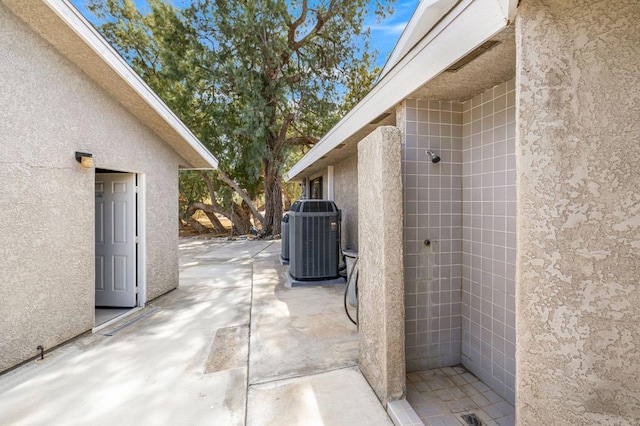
(426, 16)
(467, 25)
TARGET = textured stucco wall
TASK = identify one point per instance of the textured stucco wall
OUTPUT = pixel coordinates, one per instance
(50, 110)
(380, 283)
(578, 264)
(346, 197)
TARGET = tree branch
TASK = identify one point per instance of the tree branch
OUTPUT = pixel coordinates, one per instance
(192, 222)
(296, 24)
(301, 141)
(282, 135)
(293, 78)
(211, 189)
(226, 179)
(320, 21)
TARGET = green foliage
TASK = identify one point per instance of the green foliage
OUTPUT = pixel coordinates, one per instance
(359, 83)
(258, 81)
(192, 190)
(165, 51)
(275, 74)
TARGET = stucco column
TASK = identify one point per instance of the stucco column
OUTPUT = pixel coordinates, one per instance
(578, 154)
(380, 283)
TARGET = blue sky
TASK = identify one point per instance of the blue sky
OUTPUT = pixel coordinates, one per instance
(384, 35)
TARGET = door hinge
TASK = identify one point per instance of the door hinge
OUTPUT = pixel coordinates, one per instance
(137, 240)
(137, 290)
(137, 189)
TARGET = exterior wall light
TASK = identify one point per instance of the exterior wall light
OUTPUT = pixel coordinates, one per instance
(85, 159)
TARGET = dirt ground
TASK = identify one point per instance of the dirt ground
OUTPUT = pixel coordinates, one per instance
(187, 231)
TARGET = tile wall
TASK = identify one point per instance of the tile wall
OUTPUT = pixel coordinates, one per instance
(433, 212)
(489, 239)
(459, 290)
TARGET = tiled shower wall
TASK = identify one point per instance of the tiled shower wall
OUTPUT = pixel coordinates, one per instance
(432, 234)
(459, 289)
(489, 239)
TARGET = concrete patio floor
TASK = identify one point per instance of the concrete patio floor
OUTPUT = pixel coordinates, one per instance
(231, 346)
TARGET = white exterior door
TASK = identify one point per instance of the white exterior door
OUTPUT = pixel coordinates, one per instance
(115, 240)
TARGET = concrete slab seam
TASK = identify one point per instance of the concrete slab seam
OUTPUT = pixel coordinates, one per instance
(246, 390)
(297, 376)
(263, 249)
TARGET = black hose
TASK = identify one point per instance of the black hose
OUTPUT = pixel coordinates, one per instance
(346, 309)
(346, 289)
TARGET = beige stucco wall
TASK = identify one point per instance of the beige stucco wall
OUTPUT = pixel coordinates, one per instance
(380, 281)
(578, 153)
(50, 110)
(345, 176)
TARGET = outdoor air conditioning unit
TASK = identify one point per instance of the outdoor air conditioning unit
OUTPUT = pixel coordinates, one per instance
(284, 232)
(314, 240)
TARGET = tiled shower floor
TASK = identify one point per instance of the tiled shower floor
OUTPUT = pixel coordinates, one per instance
(442, 396)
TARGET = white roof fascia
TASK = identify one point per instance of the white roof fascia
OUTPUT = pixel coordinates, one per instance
(427, 15)
(78, 23)
(470, 24)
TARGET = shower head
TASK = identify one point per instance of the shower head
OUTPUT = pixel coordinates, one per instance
(434, 158)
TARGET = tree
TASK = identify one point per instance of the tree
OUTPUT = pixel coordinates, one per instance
(164, 50)
(256, 78)
(285, 63)
(203, 190)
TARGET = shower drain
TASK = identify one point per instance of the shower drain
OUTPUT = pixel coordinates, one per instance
(471, 419)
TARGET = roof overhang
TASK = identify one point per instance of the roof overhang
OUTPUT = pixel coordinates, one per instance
(427, 15)
(459, 31)
(62, 25)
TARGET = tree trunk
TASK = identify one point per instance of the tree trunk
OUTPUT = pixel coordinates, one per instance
(272, 198)
(197, 226)
(239, 216)
(218, 227)
(241, 219)
(286, 198)
(233, 185)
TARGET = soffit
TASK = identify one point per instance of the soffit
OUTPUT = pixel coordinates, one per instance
(486, 71)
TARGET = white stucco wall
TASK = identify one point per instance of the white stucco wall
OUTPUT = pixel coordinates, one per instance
(49, 110)
(578, 226)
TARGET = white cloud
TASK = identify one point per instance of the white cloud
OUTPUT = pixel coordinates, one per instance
(392, 29)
